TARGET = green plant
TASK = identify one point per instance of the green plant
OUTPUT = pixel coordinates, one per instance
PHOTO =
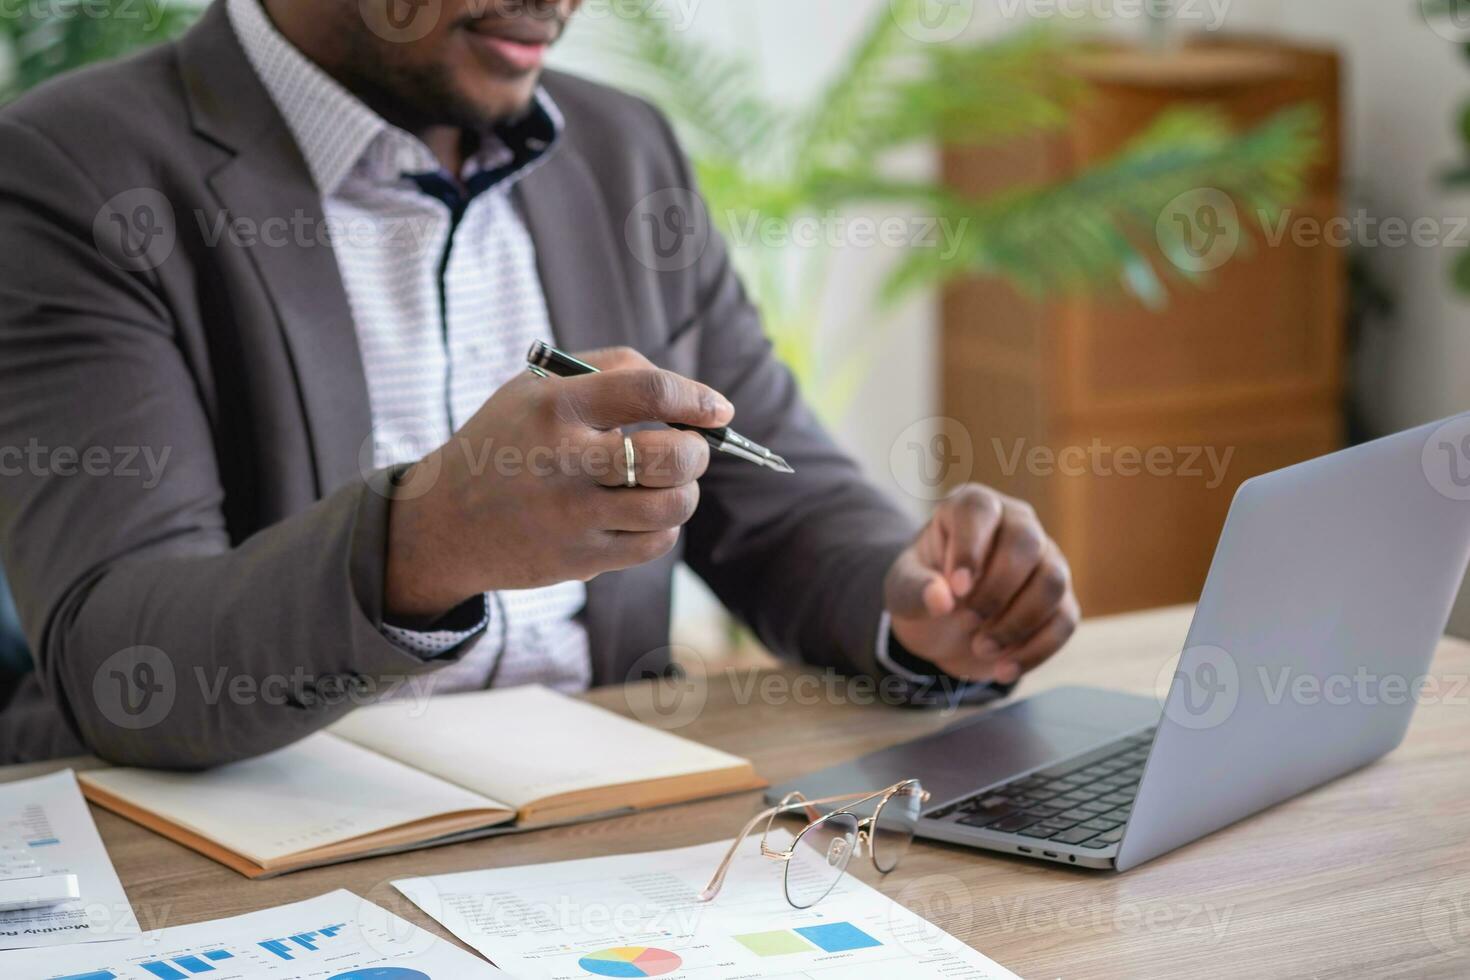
(1458, 177)
(1097, 232)
(42, 39)
(760, 162)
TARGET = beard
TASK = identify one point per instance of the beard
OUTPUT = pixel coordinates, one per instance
(419, 95)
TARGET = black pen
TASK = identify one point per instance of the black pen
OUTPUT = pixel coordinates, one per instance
(545, 359)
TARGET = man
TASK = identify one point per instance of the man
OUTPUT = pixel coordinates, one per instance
(293, 263)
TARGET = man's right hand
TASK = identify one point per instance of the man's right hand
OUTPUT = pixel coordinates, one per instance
(532, 491)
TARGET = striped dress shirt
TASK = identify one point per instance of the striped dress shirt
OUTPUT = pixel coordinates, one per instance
(442, 280)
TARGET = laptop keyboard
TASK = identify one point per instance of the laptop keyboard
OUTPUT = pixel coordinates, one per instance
(1084, 801)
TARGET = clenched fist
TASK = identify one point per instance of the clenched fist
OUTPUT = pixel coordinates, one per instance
(983, 594)
(533, 490)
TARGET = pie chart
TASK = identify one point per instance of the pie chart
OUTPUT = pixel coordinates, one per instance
(630, 961)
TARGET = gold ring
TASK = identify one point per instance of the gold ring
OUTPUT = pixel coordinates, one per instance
(628, 454)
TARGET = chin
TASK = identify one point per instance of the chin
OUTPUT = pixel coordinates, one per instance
(492, 100)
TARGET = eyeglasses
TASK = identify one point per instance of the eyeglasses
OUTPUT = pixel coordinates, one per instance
(819, 856)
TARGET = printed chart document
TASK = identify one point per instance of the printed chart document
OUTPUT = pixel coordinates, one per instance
(46, 829)
(333, 937)
(637, 916)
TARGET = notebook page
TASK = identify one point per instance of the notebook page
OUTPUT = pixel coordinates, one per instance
(322, 790)
(524, 744)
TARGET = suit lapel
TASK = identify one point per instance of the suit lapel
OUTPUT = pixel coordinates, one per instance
(311, 305)
(267, 179)
(581, 270)
(578, 258)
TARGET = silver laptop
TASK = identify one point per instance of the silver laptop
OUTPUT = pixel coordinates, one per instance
(1330, 588)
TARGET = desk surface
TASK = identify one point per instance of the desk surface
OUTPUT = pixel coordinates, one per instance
(1369, 876)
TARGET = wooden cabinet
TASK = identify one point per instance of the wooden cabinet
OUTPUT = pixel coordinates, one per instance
(1130, 429)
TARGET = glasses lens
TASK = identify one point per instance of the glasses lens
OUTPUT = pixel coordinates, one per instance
(894, 825)
(820, 857)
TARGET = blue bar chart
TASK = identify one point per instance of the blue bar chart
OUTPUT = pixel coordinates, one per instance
(290, 947)
(185, 965)
(337, 936)
(163, 971)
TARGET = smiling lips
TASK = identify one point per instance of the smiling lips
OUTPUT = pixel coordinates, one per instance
(518, 45)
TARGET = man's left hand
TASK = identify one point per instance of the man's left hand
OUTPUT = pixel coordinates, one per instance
(983, 594)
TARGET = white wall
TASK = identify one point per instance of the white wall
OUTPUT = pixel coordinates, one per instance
(1406, 84)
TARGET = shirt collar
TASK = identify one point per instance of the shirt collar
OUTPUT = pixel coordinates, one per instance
(338, 134)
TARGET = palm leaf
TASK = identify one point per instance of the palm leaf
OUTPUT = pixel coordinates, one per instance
(711, 95)
(895, 90)
(976, 94)
(1094, 231)
(47, 40)
(837, 129)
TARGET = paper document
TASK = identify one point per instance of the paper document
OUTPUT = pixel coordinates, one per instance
(579, 746)
(320, 790)
(410, 774)
(637, 916)
(46, 829)
(333, 937)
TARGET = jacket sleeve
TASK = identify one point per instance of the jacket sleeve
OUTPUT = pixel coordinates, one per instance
(161, 642)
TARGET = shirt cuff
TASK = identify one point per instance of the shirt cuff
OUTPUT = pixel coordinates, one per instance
(445, 635)
(929, 687)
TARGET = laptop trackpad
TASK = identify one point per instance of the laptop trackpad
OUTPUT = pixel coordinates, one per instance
(991, 747)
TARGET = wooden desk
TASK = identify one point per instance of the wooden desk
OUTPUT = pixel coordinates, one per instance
(1369, 876)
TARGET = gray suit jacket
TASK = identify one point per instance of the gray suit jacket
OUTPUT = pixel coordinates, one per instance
(260, 551)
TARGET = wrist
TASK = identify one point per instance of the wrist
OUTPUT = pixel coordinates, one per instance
(904, 662)
(900, 638)
(416, 587)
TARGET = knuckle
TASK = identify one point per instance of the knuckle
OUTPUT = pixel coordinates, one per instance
(690, 456)
(668, 509)
(1026, 541)
(976, 498)
(624, 357)
(676, 459)
(1012, 633)
(657, 544)
(979, 651)
(686, 504)
(659, 389)
(985, 600)
(655, 465)
(592, 551)
(1054, 582)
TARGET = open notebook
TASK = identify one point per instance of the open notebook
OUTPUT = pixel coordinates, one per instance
(415, 773)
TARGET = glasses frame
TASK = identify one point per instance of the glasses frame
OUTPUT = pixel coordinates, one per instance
(794, 801)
